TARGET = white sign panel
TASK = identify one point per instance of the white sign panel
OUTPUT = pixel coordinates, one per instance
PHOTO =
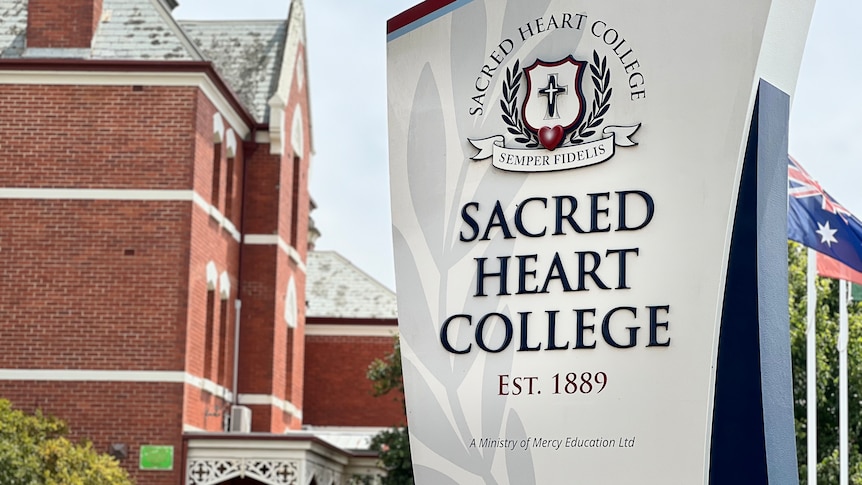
(564, 176)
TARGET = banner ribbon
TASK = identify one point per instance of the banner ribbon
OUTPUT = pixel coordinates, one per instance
(564, 158)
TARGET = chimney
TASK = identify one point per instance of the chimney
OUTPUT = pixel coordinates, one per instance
(62, 24)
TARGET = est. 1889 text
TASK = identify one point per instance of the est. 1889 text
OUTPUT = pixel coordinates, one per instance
(560, 383)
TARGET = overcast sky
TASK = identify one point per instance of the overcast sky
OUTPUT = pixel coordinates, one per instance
(347, 64)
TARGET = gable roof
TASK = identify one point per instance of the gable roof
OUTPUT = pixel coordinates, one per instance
(338, 289)
(141, 30)
(247, 54)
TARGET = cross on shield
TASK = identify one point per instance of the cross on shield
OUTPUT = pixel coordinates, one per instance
(555, 101)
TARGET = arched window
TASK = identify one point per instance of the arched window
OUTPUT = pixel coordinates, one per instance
(212, 278)
(218, 138)
(230, 146)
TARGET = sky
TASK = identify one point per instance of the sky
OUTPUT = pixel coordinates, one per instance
(346, 43)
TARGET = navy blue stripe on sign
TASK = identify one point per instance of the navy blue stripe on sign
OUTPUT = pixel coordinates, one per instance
(753, 435)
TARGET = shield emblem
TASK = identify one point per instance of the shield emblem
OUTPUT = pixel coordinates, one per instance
(554, 95)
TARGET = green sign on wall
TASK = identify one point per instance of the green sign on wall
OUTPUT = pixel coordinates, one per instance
(157, 457)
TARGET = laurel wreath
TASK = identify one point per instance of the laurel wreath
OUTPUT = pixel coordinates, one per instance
(510, 111)
(601, 76)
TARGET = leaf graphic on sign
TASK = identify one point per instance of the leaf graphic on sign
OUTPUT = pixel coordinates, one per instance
(432, 429)
(426, 141)
(423, 327)
(423, 474)
(519, 466)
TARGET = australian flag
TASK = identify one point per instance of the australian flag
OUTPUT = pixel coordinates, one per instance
(816, 220)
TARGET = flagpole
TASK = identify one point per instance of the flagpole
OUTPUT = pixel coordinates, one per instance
(843, 339)
(811, 366)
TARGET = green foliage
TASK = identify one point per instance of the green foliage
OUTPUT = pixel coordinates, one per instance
(34, 451)
(828, 469)
(392, 445)
(827, 372)
(385, 374)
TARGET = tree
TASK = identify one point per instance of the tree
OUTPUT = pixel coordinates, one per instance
(827, 372)
(35, 451)
(392, 445)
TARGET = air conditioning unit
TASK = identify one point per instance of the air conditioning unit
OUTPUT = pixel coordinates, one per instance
(240, 419)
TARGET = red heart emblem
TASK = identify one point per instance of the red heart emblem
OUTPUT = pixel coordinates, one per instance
(549, 137)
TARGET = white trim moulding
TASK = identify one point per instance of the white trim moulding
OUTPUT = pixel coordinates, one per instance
(99, 78)
(275, 240)
(330, 330)
(269, 400)
(86, 375)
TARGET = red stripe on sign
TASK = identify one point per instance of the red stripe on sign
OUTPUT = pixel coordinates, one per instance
(413, 14)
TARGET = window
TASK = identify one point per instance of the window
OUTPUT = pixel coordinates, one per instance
(208, 338)
(230, 153)
(211, 279)
(218, 137)
(224, 325)
(221, 370)
(228, 189)
(216, 174)
(294, 212)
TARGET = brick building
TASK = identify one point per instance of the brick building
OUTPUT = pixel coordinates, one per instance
(154, 220)
(352, 316)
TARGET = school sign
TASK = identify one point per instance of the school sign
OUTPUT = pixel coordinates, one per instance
(589, 224)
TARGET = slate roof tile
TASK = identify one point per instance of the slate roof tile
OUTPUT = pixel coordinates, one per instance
(248, 54)
(140, 30)
(338, 289)
(13, 24)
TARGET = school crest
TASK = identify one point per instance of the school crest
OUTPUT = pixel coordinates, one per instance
(555, 102)
(551, 124)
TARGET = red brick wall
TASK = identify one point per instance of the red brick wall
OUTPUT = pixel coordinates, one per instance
(258, 339)
(271, 203)
(262, 336)
(293, 220)
(279, 420)
(203, 160)
(97, 136)
(256, 331)
(62, 24)
(211, 241)
(295, 385)
(287, 198)
(261, 197)
(93, 284)
(338, 393)
(106, 284)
